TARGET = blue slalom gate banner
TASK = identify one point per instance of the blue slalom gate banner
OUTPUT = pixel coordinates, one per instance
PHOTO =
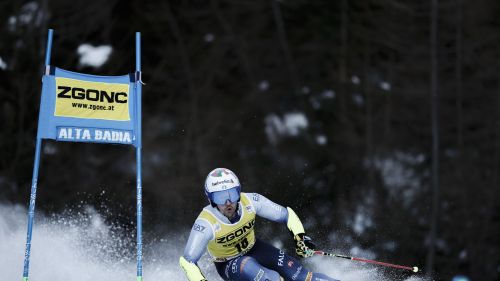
(88, 108)
(79, 107)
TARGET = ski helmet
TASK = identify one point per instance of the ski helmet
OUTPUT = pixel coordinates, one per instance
(222, 185)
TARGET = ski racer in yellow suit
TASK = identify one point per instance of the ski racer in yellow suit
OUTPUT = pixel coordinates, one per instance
(226, 229)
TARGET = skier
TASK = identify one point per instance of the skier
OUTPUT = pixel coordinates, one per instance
(226, 229)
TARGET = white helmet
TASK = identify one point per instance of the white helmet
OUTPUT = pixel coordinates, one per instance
(222, 185)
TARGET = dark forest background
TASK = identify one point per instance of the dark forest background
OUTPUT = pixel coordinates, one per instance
(397, 146)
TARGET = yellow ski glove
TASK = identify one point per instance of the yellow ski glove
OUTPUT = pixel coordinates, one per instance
(303, 244)
(192, 271)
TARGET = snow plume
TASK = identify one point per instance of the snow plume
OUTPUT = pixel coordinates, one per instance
(80, 247)
(83, 247)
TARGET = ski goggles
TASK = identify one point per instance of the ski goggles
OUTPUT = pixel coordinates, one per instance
(221, 197)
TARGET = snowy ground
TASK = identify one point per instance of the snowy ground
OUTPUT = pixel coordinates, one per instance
(84, 248)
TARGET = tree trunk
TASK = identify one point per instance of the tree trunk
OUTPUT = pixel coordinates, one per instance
(278, 18)
(238, 44)
(368, 112)
(435, 139)
(458, 75)
(344, 27)
(190, 130)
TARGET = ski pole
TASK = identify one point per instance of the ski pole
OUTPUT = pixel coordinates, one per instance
(321, 253)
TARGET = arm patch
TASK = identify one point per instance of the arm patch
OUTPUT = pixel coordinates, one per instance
(199, 228)
(255, 197)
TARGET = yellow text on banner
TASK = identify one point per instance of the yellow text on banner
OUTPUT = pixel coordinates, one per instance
(91, 100)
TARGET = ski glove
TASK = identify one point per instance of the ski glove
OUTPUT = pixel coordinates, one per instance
(191, 270)
(303, 244)
(304, 247)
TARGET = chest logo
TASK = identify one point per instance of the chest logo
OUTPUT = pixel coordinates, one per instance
(237, 233)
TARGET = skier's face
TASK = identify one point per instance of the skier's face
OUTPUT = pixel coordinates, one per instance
(228, 209)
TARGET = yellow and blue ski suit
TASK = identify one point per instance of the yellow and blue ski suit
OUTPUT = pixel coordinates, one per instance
(236, 252)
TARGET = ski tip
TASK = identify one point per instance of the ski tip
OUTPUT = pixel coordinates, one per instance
(415, 269)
